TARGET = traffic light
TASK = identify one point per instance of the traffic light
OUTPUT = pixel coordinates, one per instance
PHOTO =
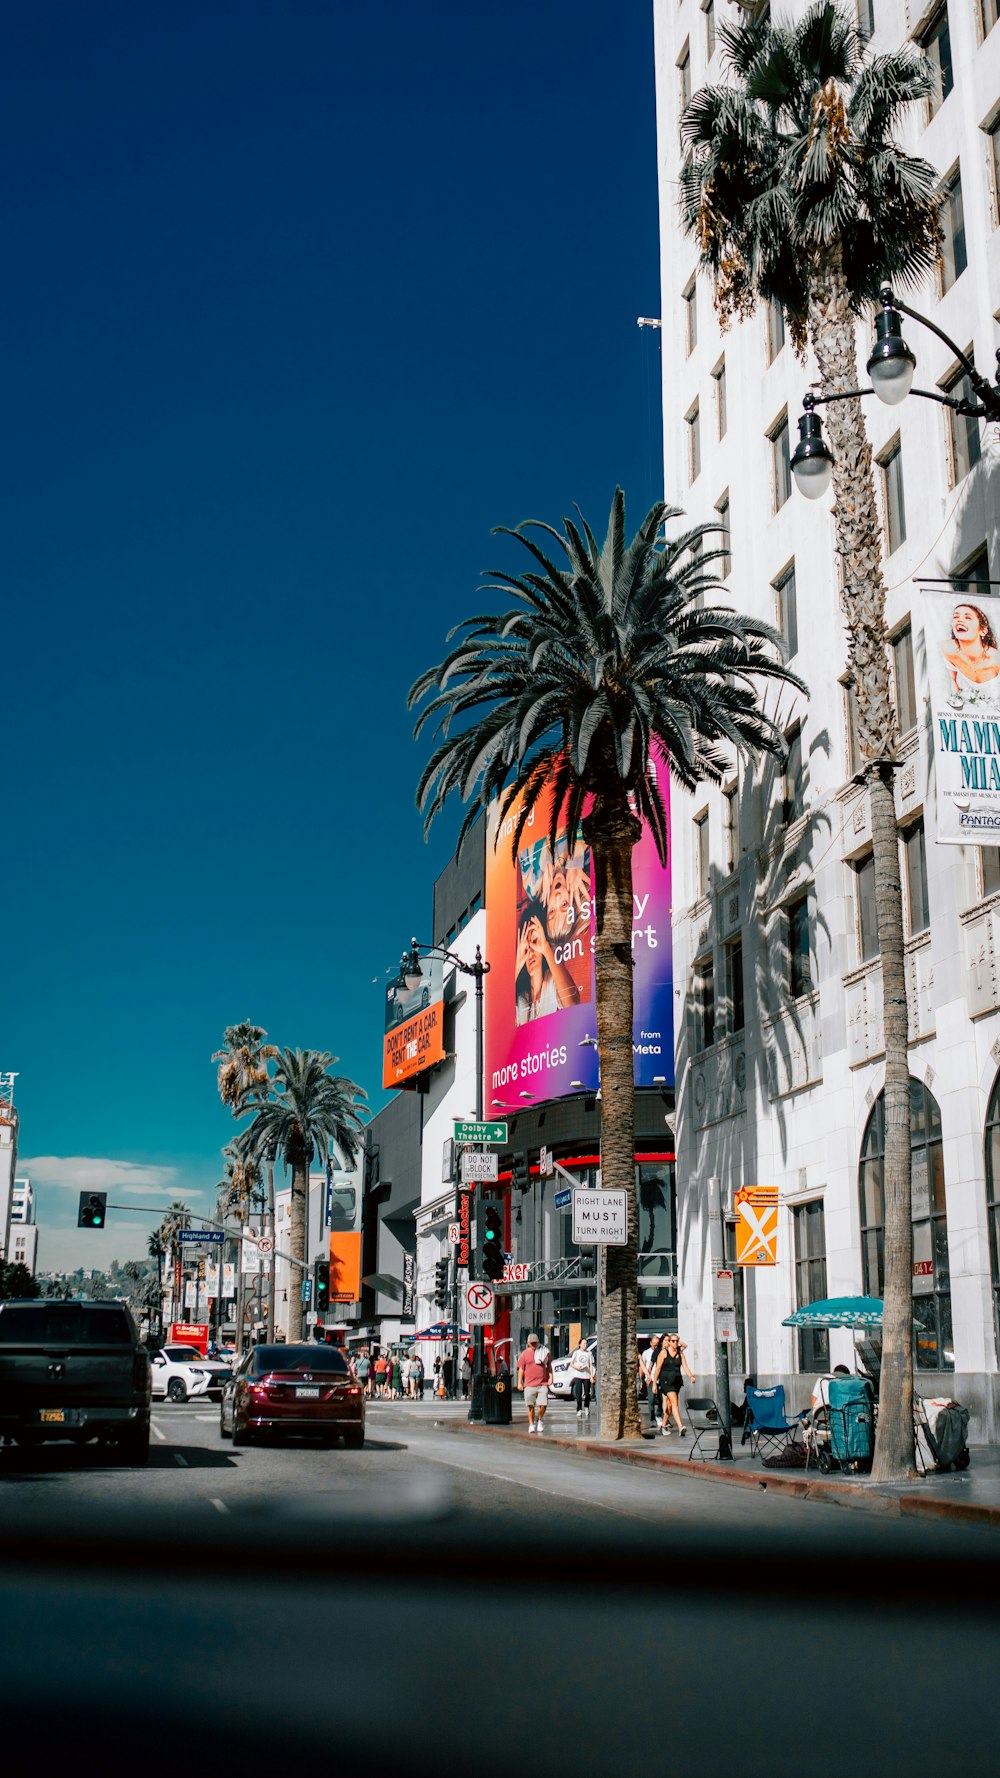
(93, 1210)
(441, 1284)
(521, 1172)
(491, 1244)
(588, 1262)
(322, 1285)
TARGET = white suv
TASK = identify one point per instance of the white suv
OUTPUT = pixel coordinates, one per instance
(217, 1370)
(177, 1378)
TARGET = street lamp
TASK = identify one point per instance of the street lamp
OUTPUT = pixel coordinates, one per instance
(891, 367)
(409, 978)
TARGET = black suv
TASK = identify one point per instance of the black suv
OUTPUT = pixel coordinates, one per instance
(76, 1371)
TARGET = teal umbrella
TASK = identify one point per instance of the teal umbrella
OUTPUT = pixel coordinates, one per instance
(839, 1311)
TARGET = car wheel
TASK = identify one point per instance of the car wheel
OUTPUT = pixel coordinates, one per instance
(176, 1390)
(355, 1440)
(222, 1426)
(238, 1437)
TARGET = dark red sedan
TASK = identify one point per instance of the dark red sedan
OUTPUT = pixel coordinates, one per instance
(308, 1391)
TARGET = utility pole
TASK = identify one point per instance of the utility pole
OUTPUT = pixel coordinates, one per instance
(717, 1246)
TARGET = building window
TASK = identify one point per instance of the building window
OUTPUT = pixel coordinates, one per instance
(787, 608)
(775, 329)
(693, 419)
(989, 869)
(704, 978)
(797, 938)
(708, 9)
(793, 790)
(915, 871)
(866, 20)
(993, 1199)
(933, 1346)
(864, 890)
(809, 1227)
(951, 215)
(903, 682)
(974, 574)
(725, 559)
(963, 429)
(781, 470)
(987, 15)
(734, 984)
(702, 861)
(684, 77)
(690, 300)
(936, 45)
(719, 378)
(475, 905)
(891, 465)
(731, 818)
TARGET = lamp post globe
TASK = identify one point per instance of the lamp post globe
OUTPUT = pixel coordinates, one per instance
(892, 364)
(812, 459)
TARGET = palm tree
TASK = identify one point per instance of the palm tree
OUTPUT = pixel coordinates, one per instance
(797, 191)
(599, 667)
(308, 1110)
(156, 1248)
(243, 1064)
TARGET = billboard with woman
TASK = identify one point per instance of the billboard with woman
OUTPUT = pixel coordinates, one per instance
(540, 936)
(963, 671)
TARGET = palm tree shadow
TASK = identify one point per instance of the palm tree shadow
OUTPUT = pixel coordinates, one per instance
(776, 1052)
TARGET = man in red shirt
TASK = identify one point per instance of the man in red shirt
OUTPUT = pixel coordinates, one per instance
(534, 1373)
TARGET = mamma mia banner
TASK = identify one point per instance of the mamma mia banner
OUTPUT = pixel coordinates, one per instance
(963, 672)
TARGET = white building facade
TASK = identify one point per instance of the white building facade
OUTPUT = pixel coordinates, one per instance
(778, 996)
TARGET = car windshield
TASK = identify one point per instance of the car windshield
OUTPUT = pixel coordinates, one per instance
(64, 1324)
(182, 1354)
(301, 1358)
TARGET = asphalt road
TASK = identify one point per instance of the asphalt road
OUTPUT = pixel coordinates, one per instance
(413, 1468)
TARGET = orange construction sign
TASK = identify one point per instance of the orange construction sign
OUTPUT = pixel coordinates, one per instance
(756, 1209)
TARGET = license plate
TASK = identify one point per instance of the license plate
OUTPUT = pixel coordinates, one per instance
(304, 1395)
(52, 1416)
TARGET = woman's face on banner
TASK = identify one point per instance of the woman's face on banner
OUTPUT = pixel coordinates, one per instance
(965, 624)
(560, 913)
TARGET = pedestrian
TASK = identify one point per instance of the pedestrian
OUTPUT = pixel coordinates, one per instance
(669, 1380)
(397, 1377)
(448, 1376)
(417, 1377)
(648, 1361)
(364, 1371)
(534, 1373)
(379, 1375)
(465, 1374)
(437, 1375)
(582, 1376)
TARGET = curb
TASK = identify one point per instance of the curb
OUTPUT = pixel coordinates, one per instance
(861, 1496)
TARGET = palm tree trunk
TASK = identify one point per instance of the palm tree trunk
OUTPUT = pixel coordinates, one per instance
(612, 831)
(297, 1248)
(859, 545)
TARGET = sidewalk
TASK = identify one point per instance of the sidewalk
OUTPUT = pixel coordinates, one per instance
(970, 1497)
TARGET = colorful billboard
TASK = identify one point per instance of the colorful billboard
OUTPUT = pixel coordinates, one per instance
(345, 1266)
(414, 1025)
(963, 672)
(540, 935)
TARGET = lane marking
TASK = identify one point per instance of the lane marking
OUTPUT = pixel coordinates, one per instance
(219, 1505)
(160, 1435)
(181, 1460)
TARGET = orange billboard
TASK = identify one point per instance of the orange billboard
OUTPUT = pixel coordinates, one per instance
(756, 1209)
(414, 1024)
(345, 1266)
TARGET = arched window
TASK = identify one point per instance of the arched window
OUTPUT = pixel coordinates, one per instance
(933, 1345)
(993, 1197)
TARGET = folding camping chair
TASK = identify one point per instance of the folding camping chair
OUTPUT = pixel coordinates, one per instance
(705, 1421)
(766, 1419)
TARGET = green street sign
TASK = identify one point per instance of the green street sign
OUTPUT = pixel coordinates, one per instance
(481, 1134)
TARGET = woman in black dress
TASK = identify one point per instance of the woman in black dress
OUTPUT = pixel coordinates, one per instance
(668, 1380)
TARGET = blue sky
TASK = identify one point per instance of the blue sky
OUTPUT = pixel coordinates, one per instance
(300, 301)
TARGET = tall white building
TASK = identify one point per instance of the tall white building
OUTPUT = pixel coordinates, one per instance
(779, 1032)
(22, 1203)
